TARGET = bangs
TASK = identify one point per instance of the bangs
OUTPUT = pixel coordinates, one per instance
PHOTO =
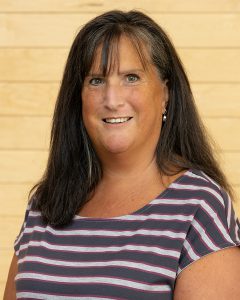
(109, 51)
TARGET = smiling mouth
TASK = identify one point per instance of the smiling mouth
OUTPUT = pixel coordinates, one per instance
(117, 120)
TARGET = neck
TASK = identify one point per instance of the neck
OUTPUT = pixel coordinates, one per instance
(125, 168)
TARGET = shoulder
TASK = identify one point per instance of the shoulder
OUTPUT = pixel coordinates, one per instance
(214, 227)
(30, 219)
(208, 204)
(195, 184)
(215, 276)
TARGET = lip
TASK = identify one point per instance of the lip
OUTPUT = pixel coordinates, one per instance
(116, 124)
(114, 117)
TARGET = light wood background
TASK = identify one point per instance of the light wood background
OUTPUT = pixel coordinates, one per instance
(35, 37)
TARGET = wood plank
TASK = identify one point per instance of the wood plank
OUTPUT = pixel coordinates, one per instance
(211, 65)
(28, 98)
(217, 100)
(21, 133)
(14, 198)
(5, 261)
(236, 204)
(21, 99)
(10, 232)
(27, 166)
(22, 166)
(32, 64)
(104, 5)
(2, 286)
(230, 162)
(223, 65)
(59, 30)
(25, 132)
(219, 129)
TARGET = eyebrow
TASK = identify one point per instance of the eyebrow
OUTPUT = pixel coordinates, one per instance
(119, 73)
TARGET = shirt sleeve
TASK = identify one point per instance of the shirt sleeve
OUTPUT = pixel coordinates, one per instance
(18, 240)
(215, 226)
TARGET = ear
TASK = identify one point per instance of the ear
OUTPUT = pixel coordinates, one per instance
(165, 95)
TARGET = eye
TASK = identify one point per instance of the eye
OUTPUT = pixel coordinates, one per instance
(96, 81)
(132, 77)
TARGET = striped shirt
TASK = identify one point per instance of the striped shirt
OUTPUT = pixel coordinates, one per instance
(135, 256)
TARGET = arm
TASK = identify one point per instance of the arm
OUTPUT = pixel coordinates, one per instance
(10, 290)
(215, 277)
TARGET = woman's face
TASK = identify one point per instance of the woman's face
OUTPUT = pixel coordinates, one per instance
(122, 112)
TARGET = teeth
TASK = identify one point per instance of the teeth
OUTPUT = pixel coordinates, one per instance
(116, 120)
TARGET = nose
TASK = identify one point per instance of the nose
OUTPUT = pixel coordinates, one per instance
(113, 98)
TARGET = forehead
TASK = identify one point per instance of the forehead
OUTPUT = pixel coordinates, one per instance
(120, 53)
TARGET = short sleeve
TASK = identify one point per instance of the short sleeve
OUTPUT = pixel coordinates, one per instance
(215, 226)
(19, 237)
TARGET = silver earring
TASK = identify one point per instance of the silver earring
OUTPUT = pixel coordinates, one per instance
(164, 116)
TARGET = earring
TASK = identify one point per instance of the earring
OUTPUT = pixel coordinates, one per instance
(164, 116)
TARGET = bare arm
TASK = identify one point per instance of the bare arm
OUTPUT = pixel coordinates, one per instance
(215, 277)
(10, 289)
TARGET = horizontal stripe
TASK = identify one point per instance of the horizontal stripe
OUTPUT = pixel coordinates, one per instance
(76, 264)
(193, 187)
(135, 217)
(106, 233)
(170, 201)
(30, 295)
(98, 280)
(80, 249)
(149, 217)
(134, 256)
(192, 175)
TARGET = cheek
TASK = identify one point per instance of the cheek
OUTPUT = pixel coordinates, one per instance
(88, 103)
(87, 109)
(137, 98)
(91, 101)
(91, 113)
(145, 102)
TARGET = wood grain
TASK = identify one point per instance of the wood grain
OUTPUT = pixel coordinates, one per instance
(28, 99)
(38, 99)
(22, 166)
(59, 30)
(25, 132)
(19, 132)
(27, 166)
(217, 99)
(26, 64)
(13, 198)
(98, 6)
(202, 65)
(10, 232)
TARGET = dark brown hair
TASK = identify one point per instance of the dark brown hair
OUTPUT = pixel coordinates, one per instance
(73, 169)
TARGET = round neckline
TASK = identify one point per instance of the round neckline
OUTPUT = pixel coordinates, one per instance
(146, 206)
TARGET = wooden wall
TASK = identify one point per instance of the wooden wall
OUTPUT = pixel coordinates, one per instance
(35, 37)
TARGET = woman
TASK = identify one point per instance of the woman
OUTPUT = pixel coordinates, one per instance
(132, 194)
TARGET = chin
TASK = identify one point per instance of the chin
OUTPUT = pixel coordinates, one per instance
(117, 148)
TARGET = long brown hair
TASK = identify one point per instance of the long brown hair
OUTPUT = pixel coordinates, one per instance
(73, 169)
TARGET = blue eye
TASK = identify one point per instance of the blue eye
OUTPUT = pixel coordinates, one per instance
(96, 81)
(132, 77)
